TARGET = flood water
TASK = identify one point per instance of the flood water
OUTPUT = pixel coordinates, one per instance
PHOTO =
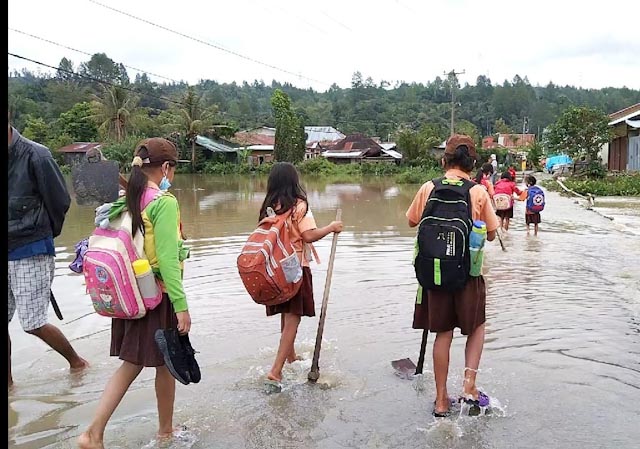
(561, 359)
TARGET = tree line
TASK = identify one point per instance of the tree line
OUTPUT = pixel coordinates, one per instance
(97, 100)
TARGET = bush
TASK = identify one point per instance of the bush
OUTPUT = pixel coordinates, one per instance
(620, 185)
(317, 167)
(122, 152)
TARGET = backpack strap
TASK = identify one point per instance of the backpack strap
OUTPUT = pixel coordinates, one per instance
(149, 195)
(462, 185)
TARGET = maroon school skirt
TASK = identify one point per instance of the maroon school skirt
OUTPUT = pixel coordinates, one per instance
(302, 304)
(134, 340)
(440, 311)
(507, 213)
(532, 218)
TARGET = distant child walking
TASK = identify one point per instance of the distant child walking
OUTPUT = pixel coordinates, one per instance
(504, 189)
(512, 171)
(483, 177)
(284, 194)
(535, 204)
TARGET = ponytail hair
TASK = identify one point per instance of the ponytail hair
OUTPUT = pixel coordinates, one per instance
(135, 189)
(479, 176)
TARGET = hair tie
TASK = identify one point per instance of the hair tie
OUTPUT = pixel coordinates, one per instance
(137, 162)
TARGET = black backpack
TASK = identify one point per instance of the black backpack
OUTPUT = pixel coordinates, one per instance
(442, 259)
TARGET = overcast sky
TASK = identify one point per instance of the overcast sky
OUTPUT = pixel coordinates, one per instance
(591, 44)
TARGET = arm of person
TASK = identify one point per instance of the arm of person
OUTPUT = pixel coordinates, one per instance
(165, 232)
(313, 235)
(414, 213)
(53, 190)
(488, 215)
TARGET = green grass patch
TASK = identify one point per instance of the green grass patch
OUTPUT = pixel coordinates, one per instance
(618, 185)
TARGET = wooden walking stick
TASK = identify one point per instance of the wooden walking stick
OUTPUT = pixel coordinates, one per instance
(314, 374)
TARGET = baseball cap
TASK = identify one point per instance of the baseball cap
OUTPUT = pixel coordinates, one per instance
(156, 149)
(460, 139)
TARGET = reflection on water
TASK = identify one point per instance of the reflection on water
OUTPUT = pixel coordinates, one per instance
(561, 353)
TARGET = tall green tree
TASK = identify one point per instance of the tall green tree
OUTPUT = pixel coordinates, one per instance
(580, 132)
(191, 118)
(290, 138)
(102, 67)
(417, 145)
(78, 123)
(114, 112)
(65, 70)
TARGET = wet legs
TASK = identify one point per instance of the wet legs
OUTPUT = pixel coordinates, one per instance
(286, 347)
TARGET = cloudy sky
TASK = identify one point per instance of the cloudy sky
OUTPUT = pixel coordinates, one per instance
(316, 43)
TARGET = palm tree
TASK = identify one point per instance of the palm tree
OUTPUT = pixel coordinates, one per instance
(114, 111)
(192, 118)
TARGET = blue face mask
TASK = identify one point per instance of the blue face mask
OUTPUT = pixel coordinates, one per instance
(164, 184)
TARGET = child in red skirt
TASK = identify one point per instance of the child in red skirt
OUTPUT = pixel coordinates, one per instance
(284, 193)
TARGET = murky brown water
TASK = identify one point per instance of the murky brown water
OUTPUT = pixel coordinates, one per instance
(562, 356)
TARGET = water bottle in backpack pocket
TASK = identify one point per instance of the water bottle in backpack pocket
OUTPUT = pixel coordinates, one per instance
(477, 239)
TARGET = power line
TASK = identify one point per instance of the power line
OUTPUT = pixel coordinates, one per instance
(89, 54)
(97, 80)
(209, 44)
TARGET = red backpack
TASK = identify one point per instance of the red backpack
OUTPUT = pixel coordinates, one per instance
(268, 264)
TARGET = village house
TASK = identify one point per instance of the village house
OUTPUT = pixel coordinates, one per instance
(358, 148)
(210, 147)
(623, 151)
(74, 153)
(509, 141)
(261, 142)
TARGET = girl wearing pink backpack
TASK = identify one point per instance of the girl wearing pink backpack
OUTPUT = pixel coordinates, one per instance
(503, 198)
(135, 341)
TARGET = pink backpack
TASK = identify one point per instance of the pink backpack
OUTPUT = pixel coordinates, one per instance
(108, 271)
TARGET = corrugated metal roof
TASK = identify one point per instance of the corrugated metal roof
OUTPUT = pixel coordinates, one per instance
(361, 142)
(342, 154)
(633, 109)
(392, 153)
(214, 146)
(79, 147)
(633, 113)
(258, 147)
(322, 134)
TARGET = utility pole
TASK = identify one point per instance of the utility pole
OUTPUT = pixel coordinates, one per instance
(452, 80)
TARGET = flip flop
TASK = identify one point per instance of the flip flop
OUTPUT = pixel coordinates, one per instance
(272, 386)
(477, 406)
(482, 401)
(443, 414)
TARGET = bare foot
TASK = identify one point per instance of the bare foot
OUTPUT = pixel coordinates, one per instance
(87, 441)
(294, 358)
(168, 435)
(79, 365)
(442, 405)
(470, 392)
(273, 377)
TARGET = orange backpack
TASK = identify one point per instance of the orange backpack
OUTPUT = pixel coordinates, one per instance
(268, 264)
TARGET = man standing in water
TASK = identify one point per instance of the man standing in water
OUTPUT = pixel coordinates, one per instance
(441, 311)
(38, 203)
